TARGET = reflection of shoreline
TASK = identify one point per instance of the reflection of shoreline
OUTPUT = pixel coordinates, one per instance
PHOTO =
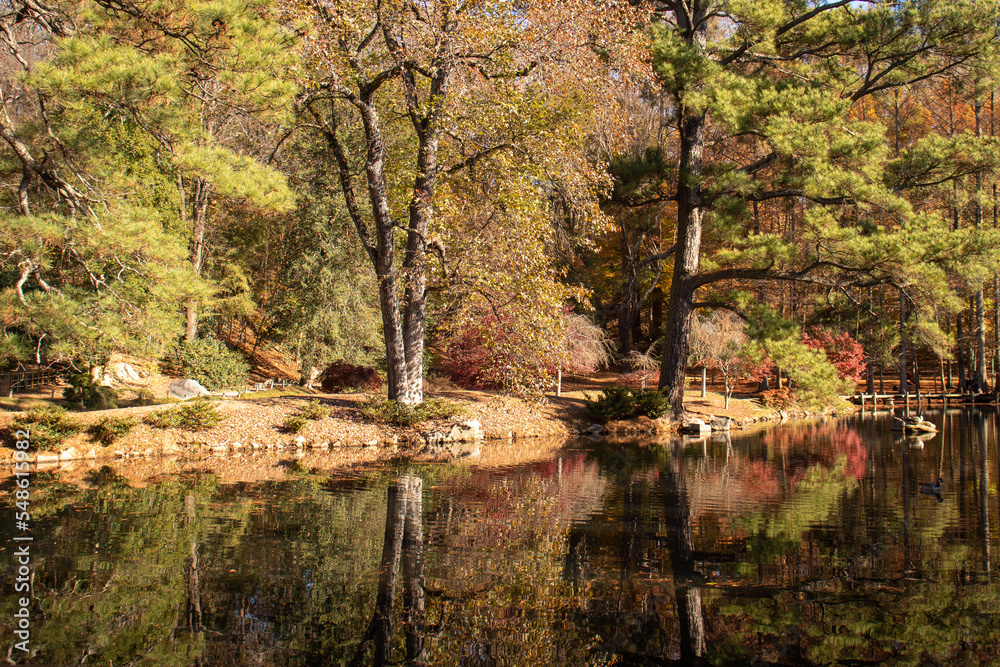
(612, 551)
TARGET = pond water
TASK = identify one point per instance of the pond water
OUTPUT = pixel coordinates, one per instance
(811, 544)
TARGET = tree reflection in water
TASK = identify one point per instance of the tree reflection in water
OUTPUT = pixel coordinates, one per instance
(805, 545)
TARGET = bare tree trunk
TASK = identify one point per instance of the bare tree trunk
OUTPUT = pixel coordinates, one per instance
(962, 372)
(980, 380)
(199, 214)
(690, 214)
(904, 385)
(656, 315)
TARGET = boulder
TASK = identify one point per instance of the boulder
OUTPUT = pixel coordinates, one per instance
(126, 373)
(695, 427)
(185, 389)
(466, 431)
(720, 423)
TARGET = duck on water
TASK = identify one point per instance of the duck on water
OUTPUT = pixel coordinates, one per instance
(915, 424)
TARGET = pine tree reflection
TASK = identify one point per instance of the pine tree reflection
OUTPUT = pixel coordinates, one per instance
(677, 515)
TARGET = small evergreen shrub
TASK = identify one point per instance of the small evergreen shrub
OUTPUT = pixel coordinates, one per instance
(399, 414)
(342, 377)
(110, 429)
(211, 363)
(196, 416)
(48, 426)
(617, 403)
(85, 394)
(315, 410)
(295, 423)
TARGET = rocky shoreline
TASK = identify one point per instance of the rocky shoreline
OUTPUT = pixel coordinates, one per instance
(346, 437)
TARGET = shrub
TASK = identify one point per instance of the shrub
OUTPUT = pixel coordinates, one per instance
(315, 410)
(778, 399)
(846, 354)
(48, 426)
(616, 403)
(639, 379)
(110, 429)
(399, 414)
(196, 416)
(294, 423)
(341, 376)
(210, 363)
(83, 392)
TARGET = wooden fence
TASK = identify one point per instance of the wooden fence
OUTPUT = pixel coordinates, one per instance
(17, 381)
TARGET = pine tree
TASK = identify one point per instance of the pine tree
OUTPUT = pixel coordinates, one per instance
(791, 76)
(195, 75)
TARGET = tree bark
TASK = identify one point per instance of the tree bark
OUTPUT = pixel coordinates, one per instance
(980, 380)
(962, 372)
(690, 216)
(199, 215)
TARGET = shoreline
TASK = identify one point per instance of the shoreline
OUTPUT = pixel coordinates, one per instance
(253, 426)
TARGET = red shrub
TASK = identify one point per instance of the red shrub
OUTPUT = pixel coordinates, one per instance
(467, 358)
(845, 353)
(635, 378)
(340, 376)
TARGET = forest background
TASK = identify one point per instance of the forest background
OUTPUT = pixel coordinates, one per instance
(500, 192)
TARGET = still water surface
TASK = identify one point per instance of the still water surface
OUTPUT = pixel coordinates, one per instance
(810, 544)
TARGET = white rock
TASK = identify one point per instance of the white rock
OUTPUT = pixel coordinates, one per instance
(68, 454)
(466, 431)
(695, 426)
(124, 373)
(185, 389)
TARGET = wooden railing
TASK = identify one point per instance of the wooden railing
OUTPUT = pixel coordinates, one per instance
(18, 381)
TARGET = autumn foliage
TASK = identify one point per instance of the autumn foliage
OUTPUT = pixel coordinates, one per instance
(846, 354)
(340, 376)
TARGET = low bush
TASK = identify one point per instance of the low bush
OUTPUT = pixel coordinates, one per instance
(641, 379)
(209, 362)
(85, 394)
(778, 399)
(195, 416)
(47, 426)
(315, 410)
(616, 403)
(342, 377)
(109, 429)
(294, 423)
(399, 414)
